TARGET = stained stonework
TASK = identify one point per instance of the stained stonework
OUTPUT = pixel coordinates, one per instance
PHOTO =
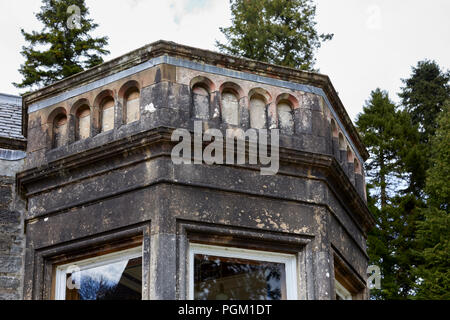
(12, 240)
(102, 189)
(12, 208)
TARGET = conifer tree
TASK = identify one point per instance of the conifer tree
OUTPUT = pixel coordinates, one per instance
(282, 32)
(423, 97)
(434, 230)
(389, 135)
(63, 47)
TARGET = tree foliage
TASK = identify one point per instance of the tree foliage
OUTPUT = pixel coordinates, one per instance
(387, 132)
(434, 230)
(409, 145)
(282, 32)
(423, 97)
(63, 47)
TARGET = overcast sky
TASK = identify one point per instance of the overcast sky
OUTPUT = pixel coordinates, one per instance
(375, 44)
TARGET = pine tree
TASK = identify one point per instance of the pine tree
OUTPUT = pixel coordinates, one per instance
(63, 47)
(423, 98)
(383, 130)
(390, 136)
(276, 31)
(434, 231)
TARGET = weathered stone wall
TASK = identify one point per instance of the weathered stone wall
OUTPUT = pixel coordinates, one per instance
(12, 238)
(122, 182)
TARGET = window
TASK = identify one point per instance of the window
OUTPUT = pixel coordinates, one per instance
(59, 131)
(341, 292)
(83, 122)
(258, 118)
(132, 103)
(230, 107)
(201, 101)
(107, 109)
(116, 276)
(219, 273)
(285, 117)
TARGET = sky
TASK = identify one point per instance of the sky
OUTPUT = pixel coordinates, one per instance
(375, 44)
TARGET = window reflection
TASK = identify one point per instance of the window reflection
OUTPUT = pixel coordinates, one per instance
(220, 278)
(115, 281)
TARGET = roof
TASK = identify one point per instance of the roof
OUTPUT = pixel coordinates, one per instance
(11, 117)
(214, 59)
(12, 141)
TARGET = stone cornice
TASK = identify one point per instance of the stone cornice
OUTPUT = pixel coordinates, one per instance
(162, 136)
(172, 49)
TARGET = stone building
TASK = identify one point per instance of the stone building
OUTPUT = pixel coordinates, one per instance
(12, 240)
(110, 215)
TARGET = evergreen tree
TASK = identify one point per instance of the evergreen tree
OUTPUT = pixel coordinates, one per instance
(276, 31)
(434, 231)
(389, 135)
(63, 47)
(383, 130)
(423, 98)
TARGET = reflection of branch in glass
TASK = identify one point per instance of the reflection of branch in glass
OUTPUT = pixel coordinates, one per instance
(93, 289)
(237, 279)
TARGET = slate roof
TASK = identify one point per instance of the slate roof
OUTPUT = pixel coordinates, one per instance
(11, 117)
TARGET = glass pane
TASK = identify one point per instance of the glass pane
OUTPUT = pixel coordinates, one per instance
(219, 278)
(116, 281)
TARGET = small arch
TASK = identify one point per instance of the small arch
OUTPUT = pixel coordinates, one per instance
(107, 114)
(127, 86)
(231, 86)
(285, 113)
(261, 92)
(201, 88)
(342, 145)
(230, 94)
(288, 98)
(130, 94)
(59, 131)
(58, 124)
(350, 157)
(82, 112)
(104, 111)
(132, 105)
(334, 129)
(203, 82)
(357, 166)
(258, 114)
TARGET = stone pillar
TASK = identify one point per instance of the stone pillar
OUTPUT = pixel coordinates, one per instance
(163, 266)
(323, 259)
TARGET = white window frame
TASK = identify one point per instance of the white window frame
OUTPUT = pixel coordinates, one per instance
(61, 271)
(342, 292)
(290, 262)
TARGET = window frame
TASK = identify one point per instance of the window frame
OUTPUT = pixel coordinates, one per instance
(95, 262)
(342, 292)
(289, 260)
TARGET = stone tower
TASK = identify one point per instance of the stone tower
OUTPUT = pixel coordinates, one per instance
(108, 207)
